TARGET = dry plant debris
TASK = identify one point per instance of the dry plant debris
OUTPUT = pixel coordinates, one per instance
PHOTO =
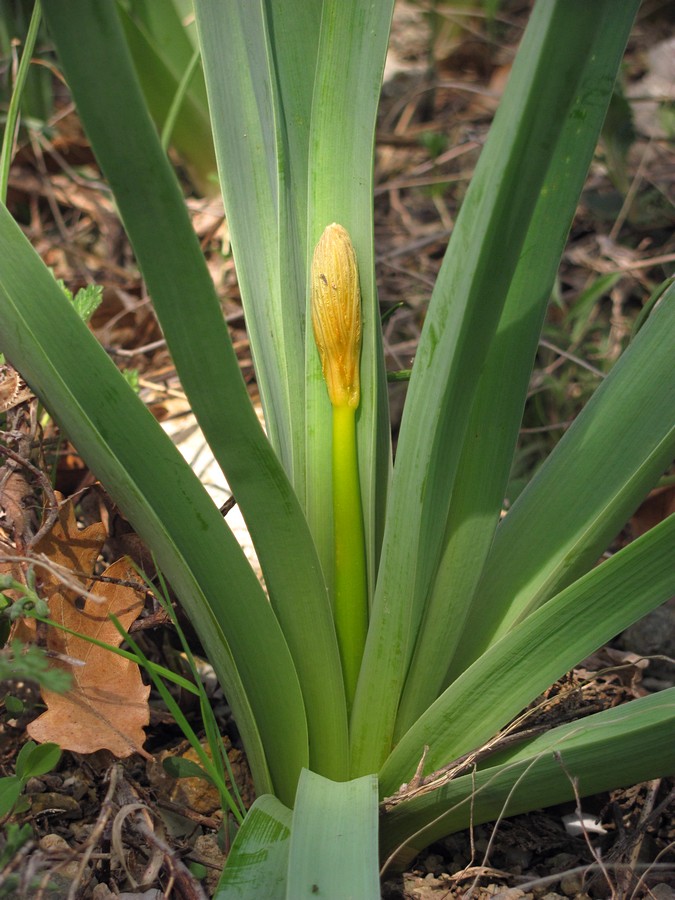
(107, 705)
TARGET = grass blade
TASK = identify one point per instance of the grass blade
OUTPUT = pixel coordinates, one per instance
(163, 54)
(12, 120)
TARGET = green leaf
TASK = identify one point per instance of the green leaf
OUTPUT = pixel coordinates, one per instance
(19, 661)
(179, 767)
(349, 66)
(10, 791)
(245, 97)
(606, 463)
(257, 863)
(87, 301)
(160, 495)
(334, 839)
(617, 747)
(38, 760)
(101, 77)
(22, 759)
(546, 88)
(537, 651)
(487, 453)
(15, 837)
(14, 705)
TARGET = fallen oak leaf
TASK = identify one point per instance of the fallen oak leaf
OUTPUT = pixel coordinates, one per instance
(107, 706)
(67, 547)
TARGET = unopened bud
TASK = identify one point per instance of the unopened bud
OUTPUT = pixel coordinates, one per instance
(336, 314)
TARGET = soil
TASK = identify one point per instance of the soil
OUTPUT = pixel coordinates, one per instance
(103, 827)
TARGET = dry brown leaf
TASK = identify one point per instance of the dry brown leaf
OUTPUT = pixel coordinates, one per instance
(67, 546)
(107, 706)
(654, 509)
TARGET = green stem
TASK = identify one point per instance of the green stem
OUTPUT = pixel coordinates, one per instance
(12, 122)
(351, 596)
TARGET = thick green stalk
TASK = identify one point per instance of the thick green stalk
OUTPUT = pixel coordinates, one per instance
(351, 594)
(336, 322)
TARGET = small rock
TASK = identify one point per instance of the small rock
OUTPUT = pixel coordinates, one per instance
(517, 859)
(209, 853)
(35, 786)
(571, 884)
(663, 892)
(53, 842)
(434, 863)
(563, 861)
(77, 786)
(101, 892)
(152, 894)
(51, 803)
(55, 845)
(653, 635)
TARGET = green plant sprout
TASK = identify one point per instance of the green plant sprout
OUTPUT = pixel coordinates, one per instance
(20, 662)
(32, 761)
(470, 615)
(336, 320)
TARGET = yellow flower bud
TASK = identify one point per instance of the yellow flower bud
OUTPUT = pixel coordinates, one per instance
(336, 314)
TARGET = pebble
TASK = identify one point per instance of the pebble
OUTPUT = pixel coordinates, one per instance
(571, 884)
(55, 804)
(101, 892)
(207, 850)
(35, 786)
(434, 863)
(54, 843)
(663, 892)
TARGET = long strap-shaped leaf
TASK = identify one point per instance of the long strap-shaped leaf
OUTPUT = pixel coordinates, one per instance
(334, 823)
(605, 464)
(96, 61)
(463, 314)
(538, 651)
(257, 863)
(491, 436)
(146, 475)
(249, 132)
(621, 746)
(329, 848)
(350, 62)
(162, 52)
